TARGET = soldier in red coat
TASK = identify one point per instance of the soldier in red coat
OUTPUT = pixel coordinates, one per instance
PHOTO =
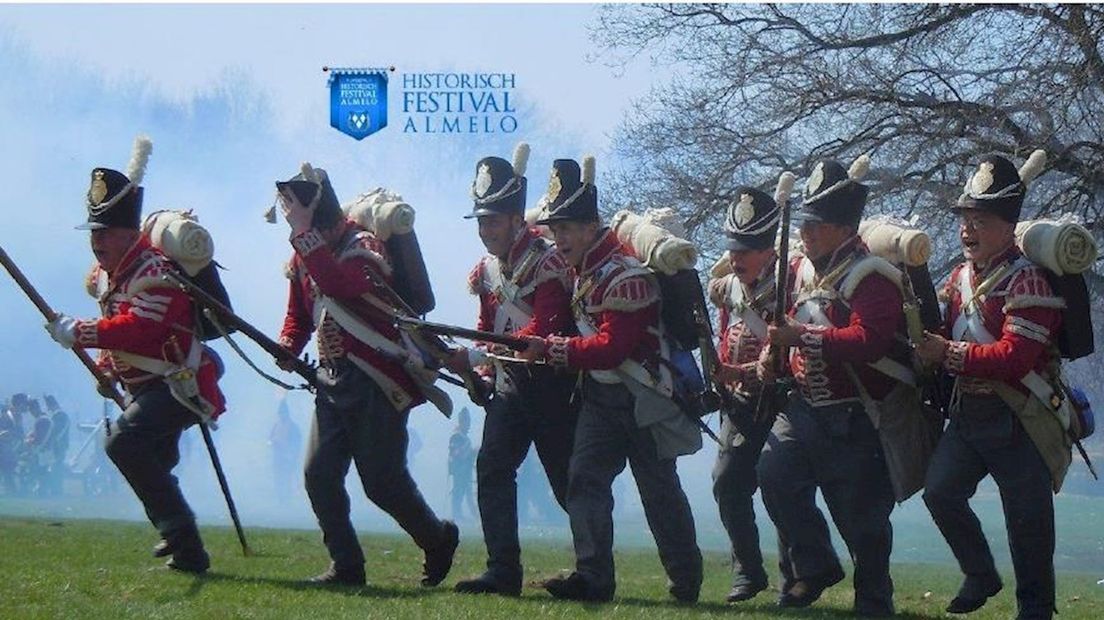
(845, 314)
(745, 300)
(340, 292)
(524, 289)
(627, 411)
(147, 332)
(998, 341)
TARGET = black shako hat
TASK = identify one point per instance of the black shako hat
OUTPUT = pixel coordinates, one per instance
(997, 187)
(499, 186)
(312, 186)
(751, 222)
(114, 199)
(834, 195)
(571, 194)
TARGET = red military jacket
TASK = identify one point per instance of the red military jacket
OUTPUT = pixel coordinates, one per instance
(744, 312)
(534, 281)
(850, 308)
(620, 299)
(358, 266)
(1020, 314)
(147, 317)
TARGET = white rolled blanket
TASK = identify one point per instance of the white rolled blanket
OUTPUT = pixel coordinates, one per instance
(654, 245)
(383, 212)
(1062, 246)
(896, 241)
(179, 235)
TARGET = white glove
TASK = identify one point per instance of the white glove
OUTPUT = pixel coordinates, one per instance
(63, 329)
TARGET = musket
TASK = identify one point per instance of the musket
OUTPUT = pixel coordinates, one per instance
(782, 276)
(442, 329)
(106, 386)
(716, 395)
(270, 346)
(915, 324)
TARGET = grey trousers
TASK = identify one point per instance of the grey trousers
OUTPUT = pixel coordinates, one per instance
(355, 422)
(734, 484)
(539, 412)
(144, 445)
(607, 437)
(983, 438)
(836, 449)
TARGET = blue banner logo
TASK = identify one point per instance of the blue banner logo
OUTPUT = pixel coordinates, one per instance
(358, 101)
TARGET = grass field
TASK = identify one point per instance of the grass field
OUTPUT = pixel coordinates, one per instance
(102, 569)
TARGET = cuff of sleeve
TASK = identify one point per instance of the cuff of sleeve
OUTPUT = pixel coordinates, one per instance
(88, 334)
(286, 342)
(305, 243)
(557, 351)
(812, 336)
(955, 360)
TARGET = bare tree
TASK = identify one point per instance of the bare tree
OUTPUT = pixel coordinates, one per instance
(925, 89)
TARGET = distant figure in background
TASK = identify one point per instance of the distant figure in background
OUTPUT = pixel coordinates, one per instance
(536, 503)
(36, 454)
(461, 466)
(10, 439)
(12, 418)
(286, 442)
(58, 445)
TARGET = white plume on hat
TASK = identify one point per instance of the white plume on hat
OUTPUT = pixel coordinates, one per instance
(588, 170)
(1033, 166)
(859, 167)
(139, 157)
(310, 173)
(521, 158)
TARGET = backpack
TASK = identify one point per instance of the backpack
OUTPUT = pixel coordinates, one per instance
(190, 249)
(392, 221)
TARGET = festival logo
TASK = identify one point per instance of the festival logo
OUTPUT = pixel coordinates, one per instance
(358, 100)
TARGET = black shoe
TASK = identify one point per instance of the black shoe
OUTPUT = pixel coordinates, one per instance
(193, 560)
(574, 588)
(485, 584)
(973, 594)
(438, 560)
(684, 594)
(744, 592)
(162, 549)
(805, 592)
(340, 577)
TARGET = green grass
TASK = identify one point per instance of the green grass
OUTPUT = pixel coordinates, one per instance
(102, 569)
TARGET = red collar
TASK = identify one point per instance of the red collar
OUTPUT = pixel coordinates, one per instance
(130, 258)
(1006, 255)
(524, 239)
(605, 246)
(846, 249)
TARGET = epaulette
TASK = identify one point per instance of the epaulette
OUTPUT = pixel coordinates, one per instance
(720, 290)
(95, 281)
(946, 292)
(152, 266)
(475, 279)
(629, 289)
(1028, 287)
(551, 265)
(866, 266)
